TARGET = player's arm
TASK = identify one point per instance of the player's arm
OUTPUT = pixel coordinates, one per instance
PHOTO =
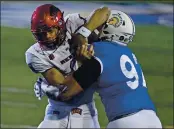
(89, 26)
(52, 75)
(95, 20)
(80, 80)
(83, 78)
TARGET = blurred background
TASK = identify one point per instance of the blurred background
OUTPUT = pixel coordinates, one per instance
(153, 46)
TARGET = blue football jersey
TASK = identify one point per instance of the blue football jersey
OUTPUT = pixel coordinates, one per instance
(122, 86)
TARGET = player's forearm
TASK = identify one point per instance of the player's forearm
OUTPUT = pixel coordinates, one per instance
(83, 78)
(56, 81)
(96, 20)
(73, 86)
(54, 77)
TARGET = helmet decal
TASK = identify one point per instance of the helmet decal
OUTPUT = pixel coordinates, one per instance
(116, 20)
(119, 28)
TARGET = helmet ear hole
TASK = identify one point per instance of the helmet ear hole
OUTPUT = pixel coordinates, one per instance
(123, 23)
(121, 38)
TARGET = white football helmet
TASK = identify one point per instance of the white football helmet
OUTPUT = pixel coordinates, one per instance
(119, 28)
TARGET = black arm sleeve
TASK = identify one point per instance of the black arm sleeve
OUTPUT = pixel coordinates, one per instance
(88, 73)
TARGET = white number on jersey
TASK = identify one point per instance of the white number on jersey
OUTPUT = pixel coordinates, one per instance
(130, 73)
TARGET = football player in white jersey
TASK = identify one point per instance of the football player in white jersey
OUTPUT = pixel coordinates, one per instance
(51, 57)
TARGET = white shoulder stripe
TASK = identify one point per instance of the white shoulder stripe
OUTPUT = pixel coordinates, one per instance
(101, 64)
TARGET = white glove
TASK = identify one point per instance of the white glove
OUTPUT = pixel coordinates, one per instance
(37, 88)
(41, 88)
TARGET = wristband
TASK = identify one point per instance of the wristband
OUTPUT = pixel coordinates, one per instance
(84, 31)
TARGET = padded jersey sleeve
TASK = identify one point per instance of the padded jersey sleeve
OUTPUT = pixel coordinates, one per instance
(74, 22)
(36, 64)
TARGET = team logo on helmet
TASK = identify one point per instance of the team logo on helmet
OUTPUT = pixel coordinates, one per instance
(116, 21)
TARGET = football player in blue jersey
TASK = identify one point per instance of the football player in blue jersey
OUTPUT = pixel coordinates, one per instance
(119, 76)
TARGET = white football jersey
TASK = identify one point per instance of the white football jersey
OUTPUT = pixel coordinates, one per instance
(38, 59)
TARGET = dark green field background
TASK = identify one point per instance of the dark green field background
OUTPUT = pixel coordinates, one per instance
(153, 46)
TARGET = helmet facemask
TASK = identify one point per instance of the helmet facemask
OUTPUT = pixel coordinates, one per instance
(51, 42)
